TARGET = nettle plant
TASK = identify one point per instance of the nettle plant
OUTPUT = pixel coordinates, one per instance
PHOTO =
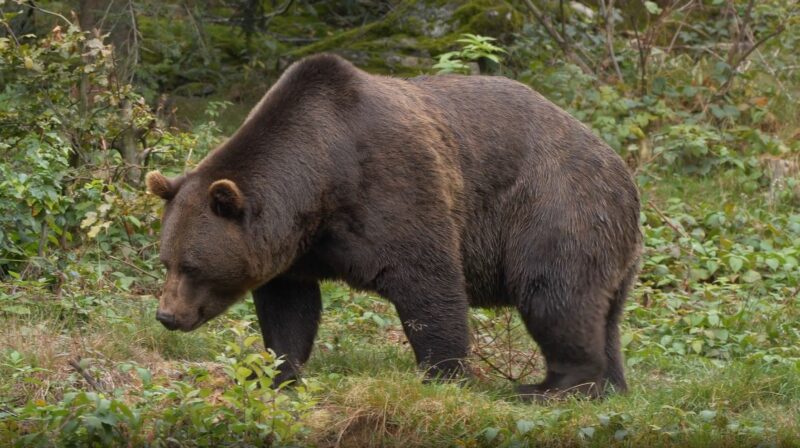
(475, 49)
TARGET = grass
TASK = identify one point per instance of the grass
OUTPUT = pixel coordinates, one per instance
(712, 361)
(373, 396)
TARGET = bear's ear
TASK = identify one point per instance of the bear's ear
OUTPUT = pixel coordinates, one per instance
(160, 185)
(227, 200)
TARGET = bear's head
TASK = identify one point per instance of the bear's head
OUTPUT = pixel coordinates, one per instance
(209, 263)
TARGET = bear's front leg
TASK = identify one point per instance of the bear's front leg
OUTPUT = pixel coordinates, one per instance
(432, 306)
(289, 313)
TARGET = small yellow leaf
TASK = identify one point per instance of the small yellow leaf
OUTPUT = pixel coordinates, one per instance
(243, 372)
(90, 219)
(250, 340)
(94, 231)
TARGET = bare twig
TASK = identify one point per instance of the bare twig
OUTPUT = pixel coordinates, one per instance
(608, 16)
(645, 40)
(10, 31)
(265, 19)
(735, 67)
(133, 49)
(75, 364)
(42, 239)
(666, 220)
(681, 25)
(562, 42)
(737, 54)
(129, 264)
(689, 252)
(200, 34)
(775, 76)
(642, 56)
(52, 13)
(780, 29)
(280, 11)
(494, 343)
(99, 24)
(742, 28)
(675, 37)
(479, 346)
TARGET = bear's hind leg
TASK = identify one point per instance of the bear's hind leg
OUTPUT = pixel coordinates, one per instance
(615, 371)
(288, 314)
(614, 376)
(571, 333)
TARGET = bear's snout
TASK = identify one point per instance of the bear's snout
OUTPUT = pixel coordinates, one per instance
(167, 319)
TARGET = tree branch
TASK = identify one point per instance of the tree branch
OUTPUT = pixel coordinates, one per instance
(743, 57)
(559, 39)
(642, 57)
(75, 364)
(607, 11)
(129, 264)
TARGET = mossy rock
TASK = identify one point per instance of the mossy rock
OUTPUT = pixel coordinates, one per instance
(493, 18)
(195, 89)
(407, 40)
(374, 46)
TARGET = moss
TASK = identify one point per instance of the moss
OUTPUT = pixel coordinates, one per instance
(489, 18)
(380, 28)
(298, 26)
(407, 40)
(403, 43)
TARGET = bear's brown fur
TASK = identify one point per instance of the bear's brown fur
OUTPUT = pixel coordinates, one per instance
(438, 193)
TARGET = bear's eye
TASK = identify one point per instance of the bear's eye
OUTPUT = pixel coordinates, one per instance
(187, 269)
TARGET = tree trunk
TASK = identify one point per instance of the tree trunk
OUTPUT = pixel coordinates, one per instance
(124, 39)
(127, 146)
(88, 11)
(120, 24)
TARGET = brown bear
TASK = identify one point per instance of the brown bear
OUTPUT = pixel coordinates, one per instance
(438, 193)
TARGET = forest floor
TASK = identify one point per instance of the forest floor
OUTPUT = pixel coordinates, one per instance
(724, 374)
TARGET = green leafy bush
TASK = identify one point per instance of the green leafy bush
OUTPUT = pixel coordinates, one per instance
(57, 140)
(66, 194)
(246, 411)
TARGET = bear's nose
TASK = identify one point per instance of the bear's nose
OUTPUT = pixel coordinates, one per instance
(166, 319)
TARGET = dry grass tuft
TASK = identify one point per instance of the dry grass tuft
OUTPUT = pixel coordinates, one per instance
(401, 412)
(86, 359)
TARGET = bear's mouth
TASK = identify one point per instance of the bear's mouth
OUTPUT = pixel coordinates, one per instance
(201, 319)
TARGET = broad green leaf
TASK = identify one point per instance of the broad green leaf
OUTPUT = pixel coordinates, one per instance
(735, 264)
(751, 276)
(652, 7)
(525, 426)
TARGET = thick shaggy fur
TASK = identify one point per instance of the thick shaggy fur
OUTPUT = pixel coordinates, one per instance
(439, 193)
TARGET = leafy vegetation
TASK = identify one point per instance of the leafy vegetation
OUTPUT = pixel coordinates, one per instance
(698, 96)
(475, 49)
